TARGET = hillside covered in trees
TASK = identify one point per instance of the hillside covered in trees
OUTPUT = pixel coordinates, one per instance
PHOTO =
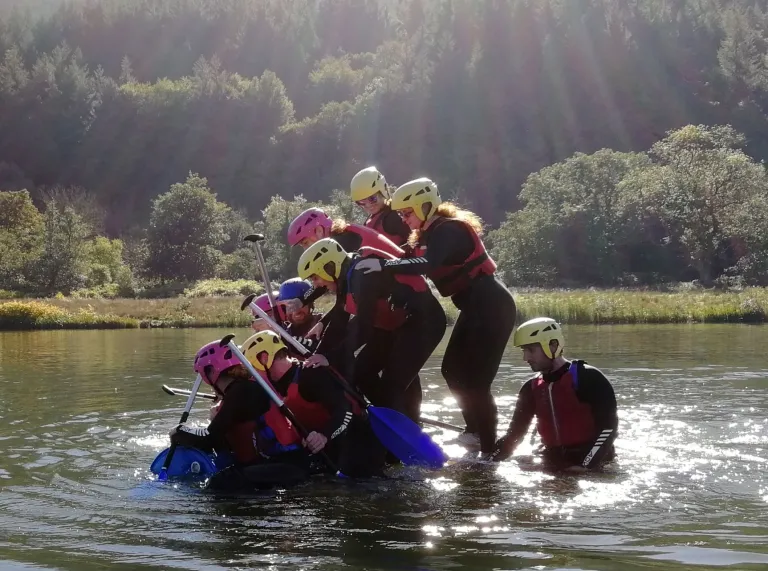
(105, 104)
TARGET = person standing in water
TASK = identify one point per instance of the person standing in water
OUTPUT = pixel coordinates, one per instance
(447, 248)
(574, 404)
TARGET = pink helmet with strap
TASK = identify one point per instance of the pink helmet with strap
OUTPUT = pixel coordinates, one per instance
(305, 223)
(212, 360)
(262, 302)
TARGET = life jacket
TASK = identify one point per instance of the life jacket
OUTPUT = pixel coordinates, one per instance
(240, 440)
(562, 419)
(450, 280)
(275, 434)
(387, 316)
(373, 239)
(312, 415)
(376, 222)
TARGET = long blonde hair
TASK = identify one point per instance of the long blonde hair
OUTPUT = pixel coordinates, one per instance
(453, 212)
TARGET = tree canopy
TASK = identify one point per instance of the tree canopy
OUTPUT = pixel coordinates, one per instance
(615, 141)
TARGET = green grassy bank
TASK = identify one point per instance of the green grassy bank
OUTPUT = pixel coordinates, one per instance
(575, 306)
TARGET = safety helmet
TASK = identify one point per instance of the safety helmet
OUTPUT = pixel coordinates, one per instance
(414, 194)
(303, 226)
(294, 288)
(540, 330)
(212, 360)
(322, 252)
(366, 183)
(267, 342)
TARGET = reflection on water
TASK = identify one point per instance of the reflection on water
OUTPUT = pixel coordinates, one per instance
(82, 416)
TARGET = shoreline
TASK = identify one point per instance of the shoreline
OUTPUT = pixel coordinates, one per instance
(599, 307)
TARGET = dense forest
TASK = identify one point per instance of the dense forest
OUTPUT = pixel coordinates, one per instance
(608, 142)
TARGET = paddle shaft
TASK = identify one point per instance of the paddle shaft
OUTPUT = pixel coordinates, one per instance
(304, 351)
(278, 401)
(184, 416)
(173, 391)
(265, 277)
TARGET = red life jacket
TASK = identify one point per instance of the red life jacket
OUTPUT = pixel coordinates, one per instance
(282, 428)
(376, 222)
(450, 280)
(373, 239)
(312, 415)
(386, 317)
(240, 440)
(562, 419)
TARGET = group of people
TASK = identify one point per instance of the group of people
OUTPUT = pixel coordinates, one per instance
(384, 325)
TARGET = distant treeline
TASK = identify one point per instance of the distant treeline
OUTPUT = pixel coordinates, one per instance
(120, 99)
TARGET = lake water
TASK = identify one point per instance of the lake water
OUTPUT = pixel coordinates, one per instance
(82, 416)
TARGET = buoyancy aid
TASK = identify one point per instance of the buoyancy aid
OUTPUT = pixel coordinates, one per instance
(312, 415)
(376, 222)
(373, 239)
(562, 419)
(450, 280)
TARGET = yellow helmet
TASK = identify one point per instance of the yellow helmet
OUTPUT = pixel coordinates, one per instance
(540, 330)
(416, 193)
(315, 258)
(267, 342)
(366, 183)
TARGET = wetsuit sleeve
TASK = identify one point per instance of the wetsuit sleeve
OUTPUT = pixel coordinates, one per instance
(449, 244)
(234, 409)
(318, 385)
(525, 410)
(595, 390)
(335, 329)
(393, 225)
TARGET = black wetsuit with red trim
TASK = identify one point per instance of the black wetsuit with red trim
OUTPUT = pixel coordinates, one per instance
(232, 428)
(452, 255)
(386, 369)
(576, 412)
(321, 404)
(389, 223)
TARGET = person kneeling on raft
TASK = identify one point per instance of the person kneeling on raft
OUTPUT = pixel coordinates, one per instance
(246, 425)
(318, 401)
(574, 404)
(397, 318)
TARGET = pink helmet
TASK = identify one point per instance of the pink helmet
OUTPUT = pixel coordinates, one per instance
(218, 358)
(305, 223)
(262, 302)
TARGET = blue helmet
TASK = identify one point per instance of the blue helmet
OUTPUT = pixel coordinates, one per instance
(294, 288)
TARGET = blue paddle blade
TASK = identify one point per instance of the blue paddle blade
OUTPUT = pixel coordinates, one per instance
(405, 439)
(186, 462)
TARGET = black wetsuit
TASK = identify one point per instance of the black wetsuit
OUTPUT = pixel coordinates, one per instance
(351, 443)
(481, 332)
(593, 389)
(244, 401)
(399, 354)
